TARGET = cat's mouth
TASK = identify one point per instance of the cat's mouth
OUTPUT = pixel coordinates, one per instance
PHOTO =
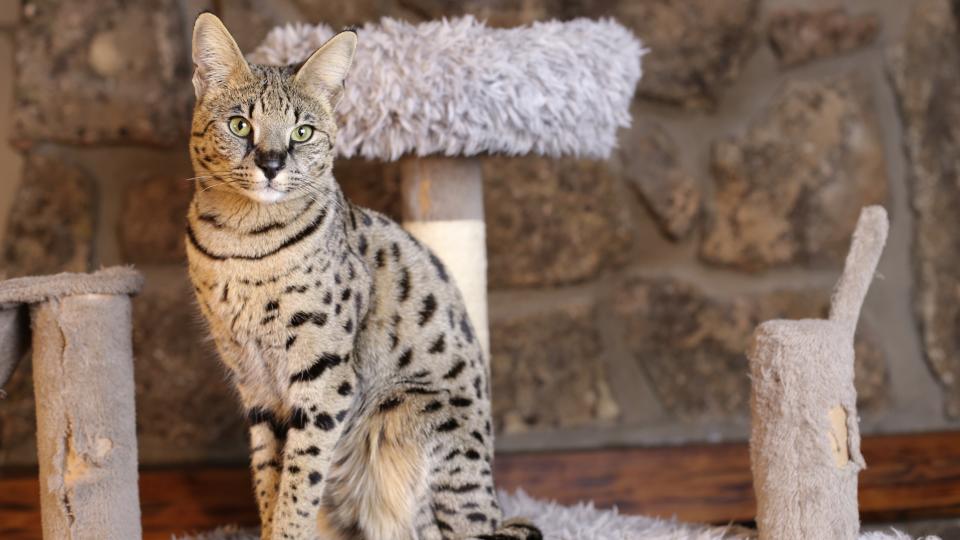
(263, 189)
(266, 194)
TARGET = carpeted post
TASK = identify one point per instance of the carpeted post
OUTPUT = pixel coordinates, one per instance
(13, 340)
(443, 208)
(805, 440)
(83, 382)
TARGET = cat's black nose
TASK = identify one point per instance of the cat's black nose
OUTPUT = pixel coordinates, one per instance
(270, 162)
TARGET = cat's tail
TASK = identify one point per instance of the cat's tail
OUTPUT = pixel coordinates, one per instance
(378, 474)
(380, 484)
(513, 529)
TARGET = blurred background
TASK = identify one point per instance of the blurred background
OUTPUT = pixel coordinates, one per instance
(623, 292)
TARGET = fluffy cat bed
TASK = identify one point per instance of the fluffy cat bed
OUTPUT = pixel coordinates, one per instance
(457, 88)
(584, 522)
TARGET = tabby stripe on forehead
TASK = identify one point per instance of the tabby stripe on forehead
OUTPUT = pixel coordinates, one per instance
(305, 232)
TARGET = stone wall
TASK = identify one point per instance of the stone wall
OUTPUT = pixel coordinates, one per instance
(623, 291)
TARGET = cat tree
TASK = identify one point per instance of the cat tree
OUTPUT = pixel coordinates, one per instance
(436, 95)
(83, 388)
(805, 440)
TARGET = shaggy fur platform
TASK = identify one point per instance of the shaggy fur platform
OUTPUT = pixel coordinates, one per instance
(584, 522)
(457, 88)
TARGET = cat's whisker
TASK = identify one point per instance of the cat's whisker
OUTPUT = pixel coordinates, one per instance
(213, 174)
(321, 200)
(307, 194)
(324, 192)
(221, 183)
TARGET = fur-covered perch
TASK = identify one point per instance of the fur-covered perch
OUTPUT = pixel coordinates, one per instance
(83, 383)
(805, 441)
(13, 341)
(458, 88)
(585, 522)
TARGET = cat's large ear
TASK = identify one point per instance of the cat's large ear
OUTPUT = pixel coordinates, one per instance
(215, 54)
(325, 70)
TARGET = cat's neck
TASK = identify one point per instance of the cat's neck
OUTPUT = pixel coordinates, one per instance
(242, 214)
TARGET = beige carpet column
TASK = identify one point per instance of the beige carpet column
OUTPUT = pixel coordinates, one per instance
(805, 439)
(83, 383)
(443, 208)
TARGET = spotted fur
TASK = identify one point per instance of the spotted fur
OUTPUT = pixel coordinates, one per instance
(365, 387)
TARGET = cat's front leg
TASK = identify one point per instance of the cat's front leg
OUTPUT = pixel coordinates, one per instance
(319, 398)
(267, 427)
(267, 435)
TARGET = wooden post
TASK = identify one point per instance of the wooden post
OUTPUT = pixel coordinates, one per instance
(443, 208)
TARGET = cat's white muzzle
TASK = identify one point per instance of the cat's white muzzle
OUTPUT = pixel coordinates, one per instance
(263, 190)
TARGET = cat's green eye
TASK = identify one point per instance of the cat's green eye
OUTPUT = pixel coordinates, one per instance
(239, 126)
(301, 133)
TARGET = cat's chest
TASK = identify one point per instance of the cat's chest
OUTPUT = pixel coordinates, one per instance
(270, 309)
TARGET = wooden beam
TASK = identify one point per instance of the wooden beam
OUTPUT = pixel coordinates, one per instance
(694, 483)
(443, 208)
(172, 501)
(907, 477)
(441, 189)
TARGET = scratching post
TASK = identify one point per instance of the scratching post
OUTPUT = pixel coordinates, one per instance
(805, 440)
(13, 339)
(443, 208)
(438, 94)
(83, 383)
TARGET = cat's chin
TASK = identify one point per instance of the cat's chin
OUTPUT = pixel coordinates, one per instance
(266, 195)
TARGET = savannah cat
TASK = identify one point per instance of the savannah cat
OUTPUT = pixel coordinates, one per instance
(365, 386)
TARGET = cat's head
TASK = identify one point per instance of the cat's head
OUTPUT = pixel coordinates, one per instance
(265, 132)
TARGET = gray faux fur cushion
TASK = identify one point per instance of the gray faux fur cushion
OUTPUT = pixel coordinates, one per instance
(456, 87)
(584, 522)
